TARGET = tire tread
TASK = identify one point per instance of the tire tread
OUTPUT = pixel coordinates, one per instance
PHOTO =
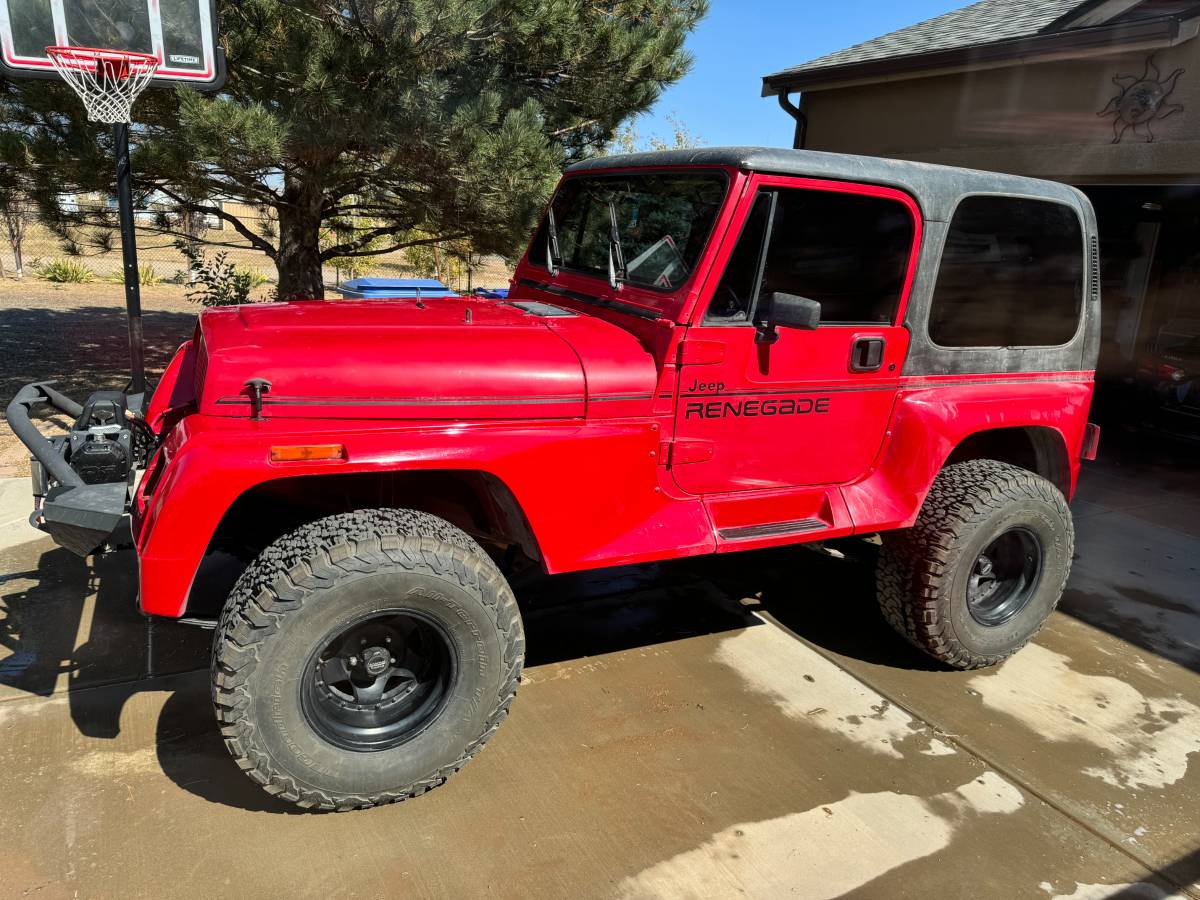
(914, 565)
(294, 571)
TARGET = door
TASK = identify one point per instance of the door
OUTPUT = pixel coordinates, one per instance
(762, 408)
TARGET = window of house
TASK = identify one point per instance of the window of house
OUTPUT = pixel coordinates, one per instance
(213, 222)
(849, 252)
(1011, 275)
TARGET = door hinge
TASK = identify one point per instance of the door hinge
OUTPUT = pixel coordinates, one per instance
(678, 453)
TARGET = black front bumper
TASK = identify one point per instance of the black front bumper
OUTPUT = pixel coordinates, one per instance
(80, 517)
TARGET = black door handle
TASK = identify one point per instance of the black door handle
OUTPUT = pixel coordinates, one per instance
(866, 354)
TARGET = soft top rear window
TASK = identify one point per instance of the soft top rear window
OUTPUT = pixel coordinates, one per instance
(662, 222)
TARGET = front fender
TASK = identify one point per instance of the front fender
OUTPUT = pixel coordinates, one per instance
(562, 475)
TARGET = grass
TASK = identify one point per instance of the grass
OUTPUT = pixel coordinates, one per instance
(257, 278)
(64, 271)
(146, 276)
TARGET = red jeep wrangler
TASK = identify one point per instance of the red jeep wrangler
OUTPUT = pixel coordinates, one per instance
(703, 351)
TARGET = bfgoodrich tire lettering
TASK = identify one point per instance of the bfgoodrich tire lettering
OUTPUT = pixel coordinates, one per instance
(925, 572)
(329, 576)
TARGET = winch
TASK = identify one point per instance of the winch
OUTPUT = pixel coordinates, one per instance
(101, 441)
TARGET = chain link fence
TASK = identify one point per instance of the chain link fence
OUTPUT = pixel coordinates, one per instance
(92, 252)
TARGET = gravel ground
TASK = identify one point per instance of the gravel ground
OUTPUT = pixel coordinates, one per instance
(76, 335)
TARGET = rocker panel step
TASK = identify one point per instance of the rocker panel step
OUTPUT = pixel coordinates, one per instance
(771, 529)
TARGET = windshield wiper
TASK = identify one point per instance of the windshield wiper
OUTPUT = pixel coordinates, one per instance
(552, 251)
(616, 256)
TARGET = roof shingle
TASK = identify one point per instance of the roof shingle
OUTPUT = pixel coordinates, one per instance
(980, 23)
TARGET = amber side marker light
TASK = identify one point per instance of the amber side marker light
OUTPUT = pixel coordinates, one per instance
(308, 452)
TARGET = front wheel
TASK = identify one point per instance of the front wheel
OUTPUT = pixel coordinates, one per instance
(980, 571)
(364, 658)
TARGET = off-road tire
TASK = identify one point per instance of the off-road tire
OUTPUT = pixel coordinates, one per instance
(922, 574)
(286, 600)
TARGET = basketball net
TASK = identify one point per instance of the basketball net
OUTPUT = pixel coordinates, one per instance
(107, 81)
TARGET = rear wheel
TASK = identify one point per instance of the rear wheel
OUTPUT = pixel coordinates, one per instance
(980, 571)
(364, 658)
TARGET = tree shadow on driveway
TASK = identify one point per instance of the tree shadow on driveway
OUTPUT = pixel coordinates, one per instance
(83, 348)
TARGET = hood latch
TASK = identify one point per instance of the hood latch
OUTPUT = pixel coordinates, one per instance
(259, 387)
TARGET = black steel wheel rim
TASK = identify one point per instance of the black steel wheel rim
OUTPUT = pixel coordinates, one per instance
(379, 681)
(1004, 577)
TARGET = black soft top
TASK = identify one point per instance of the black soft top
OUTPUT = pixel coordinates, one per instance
(937, 189)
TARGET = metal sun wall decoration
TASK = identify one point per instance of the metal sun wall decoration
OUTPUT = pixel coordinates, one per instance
(1141, 102)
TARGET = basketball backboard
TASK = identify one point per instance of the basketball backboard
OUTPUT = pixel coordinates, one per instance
(181, 33)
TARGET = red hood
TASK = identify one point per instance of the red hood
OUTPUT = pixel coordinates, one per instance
(451, 358)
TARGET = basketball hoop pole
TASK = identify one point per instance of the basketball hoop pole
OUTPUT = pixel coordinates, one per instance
(108, 81)
(133, 289)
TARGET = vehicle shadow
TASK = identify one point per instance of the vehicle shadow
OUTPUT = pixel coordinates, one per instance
(588, 614)
(70, 625)
(40, 621)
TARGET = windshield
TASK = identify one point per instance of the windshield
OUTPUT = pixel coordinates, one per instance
(654, 223)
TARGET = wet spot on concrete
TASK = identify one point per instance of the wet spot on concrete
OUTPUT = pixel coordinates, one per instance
(1159, 611)
(825, 851)
(773, 663)
(1163, 625)
(1039, 689)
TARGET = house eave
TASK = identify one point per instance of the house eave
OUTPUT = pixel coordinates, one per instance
(1166, 31)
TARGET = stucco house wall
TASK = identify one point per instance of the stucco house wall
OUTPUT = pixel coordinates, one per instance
(1034, 119)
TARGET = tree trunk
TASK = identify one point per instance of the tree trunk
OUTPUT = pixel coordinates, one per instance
(14, 222)
(299, 258)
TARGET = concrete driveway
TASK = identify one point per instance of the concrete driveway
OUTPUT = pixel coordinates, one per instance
(743, 726)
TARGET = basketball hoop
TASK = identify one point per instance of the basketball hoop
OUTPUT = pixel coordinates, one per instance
(107, 81)
(153, 43)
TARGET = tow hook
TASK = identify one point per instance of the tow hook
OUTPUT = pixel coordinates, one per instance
(258, 388)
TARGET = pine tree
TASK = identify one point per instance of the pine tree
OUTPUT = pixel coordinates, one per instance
(429, 120)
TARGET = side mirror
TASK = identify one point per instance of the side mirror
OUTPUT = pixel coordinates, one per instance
(790, 311)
